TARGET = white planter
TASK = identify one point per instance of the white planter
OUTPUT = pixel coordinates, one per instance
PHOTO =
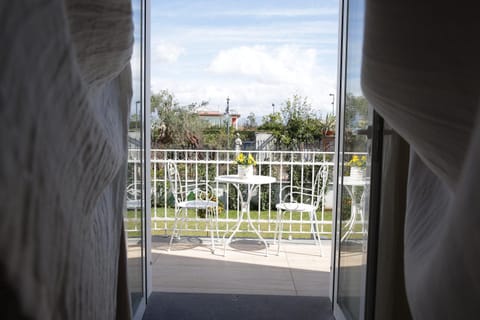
(245, 171)
(357, 173)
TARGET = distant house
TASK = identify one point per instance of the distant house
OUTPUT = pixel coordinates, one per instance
(328, 143)
(264, 141)
(217, 118)
(134, 140)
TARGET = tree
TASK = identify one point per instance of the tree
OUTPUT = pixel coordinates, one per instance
(162, 101)
(356, 111)
(135, 122)
(356, 117)
(297, 108)
(175, 126)
(295, 126)
(251, 123)
(272, 122)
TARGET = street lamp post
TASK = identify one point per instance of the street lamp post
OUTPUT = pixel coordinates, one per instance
(227, 113)
(333, 103)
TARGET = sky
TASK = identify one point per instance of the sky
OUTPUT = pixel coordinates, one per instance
(256, 52)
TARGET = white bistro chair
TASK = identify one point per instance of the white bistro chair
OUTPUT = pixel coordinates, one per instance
(198, 196)
(134, 196)
(301, 199)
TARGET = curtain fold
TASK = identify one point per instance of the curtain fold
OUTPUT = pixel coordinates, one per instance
(391, 301)
(65, 90)
(420, 71)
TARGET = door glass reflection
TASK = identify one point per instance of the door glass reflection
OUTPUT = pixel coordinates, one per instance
(134, 214)
(354, 170)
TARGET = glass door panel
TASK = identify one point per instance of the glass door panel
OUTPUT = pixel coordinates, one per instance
(353, 173)
(134, 214)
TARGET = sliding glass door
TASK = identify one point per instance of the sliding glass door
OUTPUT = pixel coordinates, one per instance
(354, 173)
(137, 195)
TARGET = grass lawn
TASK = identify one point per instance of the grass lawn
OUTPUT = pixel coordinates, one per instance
(198, 226)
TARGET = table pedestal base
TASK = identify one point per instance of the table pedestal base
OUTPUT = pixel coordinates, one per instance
(246, 209)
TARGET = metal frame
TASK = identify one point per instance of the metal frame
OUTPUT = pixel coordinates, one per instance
(338, 168)
(369, 281)
(145, 98)
(146, 94)
(374, 215)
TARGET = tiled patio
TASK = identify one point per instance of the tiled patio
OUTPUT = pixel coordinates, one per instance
(190, 267)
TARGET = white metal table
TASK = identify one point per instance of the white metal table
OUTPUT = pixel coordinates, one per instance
(251, 183)
(350, 185)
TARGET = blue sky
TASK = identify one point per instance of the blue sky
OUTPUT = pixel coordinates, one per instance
(255, 52)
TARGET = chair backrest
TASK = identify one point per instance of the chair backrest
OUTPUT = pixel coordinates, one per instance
(134, 191)
(307, 193)
(319, 186)
(175, 185)
(134, 196)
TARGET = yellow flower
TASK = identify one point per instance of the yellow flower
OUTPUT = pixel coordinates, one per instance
(251, 160)
(357, 161)
(243, 160)
(240, 158)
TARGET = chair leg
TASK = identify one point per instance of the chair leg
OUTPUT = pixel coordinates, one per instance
(174, 230)
(216, 223)
(184, 220)
(316, 230)
(278, 230)
(213, 226)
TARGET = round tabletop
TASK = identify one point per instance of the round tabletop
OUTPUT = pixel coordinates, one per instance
(349, 181)
(247, 180)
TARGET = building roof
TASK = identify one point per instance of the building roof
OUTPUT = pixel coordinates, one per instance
(216, 114)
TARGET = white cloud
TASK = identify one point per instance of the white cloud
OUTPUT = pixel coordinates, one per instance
(255, 52)
(254, 77)
(284, 64)
(167, 52)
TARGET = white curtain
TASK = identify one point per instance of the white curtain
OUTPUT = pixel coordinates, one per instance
(421, 73)
(65, 90)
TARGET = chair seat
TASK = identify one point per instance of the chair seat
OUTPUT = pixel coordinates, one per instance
(134, 204)
(295, 206)
(197, 204)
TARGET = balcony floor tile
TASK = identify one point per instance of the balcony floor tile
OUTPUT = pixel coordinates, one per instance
(299, 270)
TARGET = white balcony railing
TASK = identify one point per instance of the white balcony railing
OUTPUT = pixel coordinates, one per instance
(296, 168)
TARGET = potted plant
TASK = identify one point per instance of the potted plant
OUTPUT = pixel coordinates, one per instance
(327, 127)
(245, 165)
(358, 166)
